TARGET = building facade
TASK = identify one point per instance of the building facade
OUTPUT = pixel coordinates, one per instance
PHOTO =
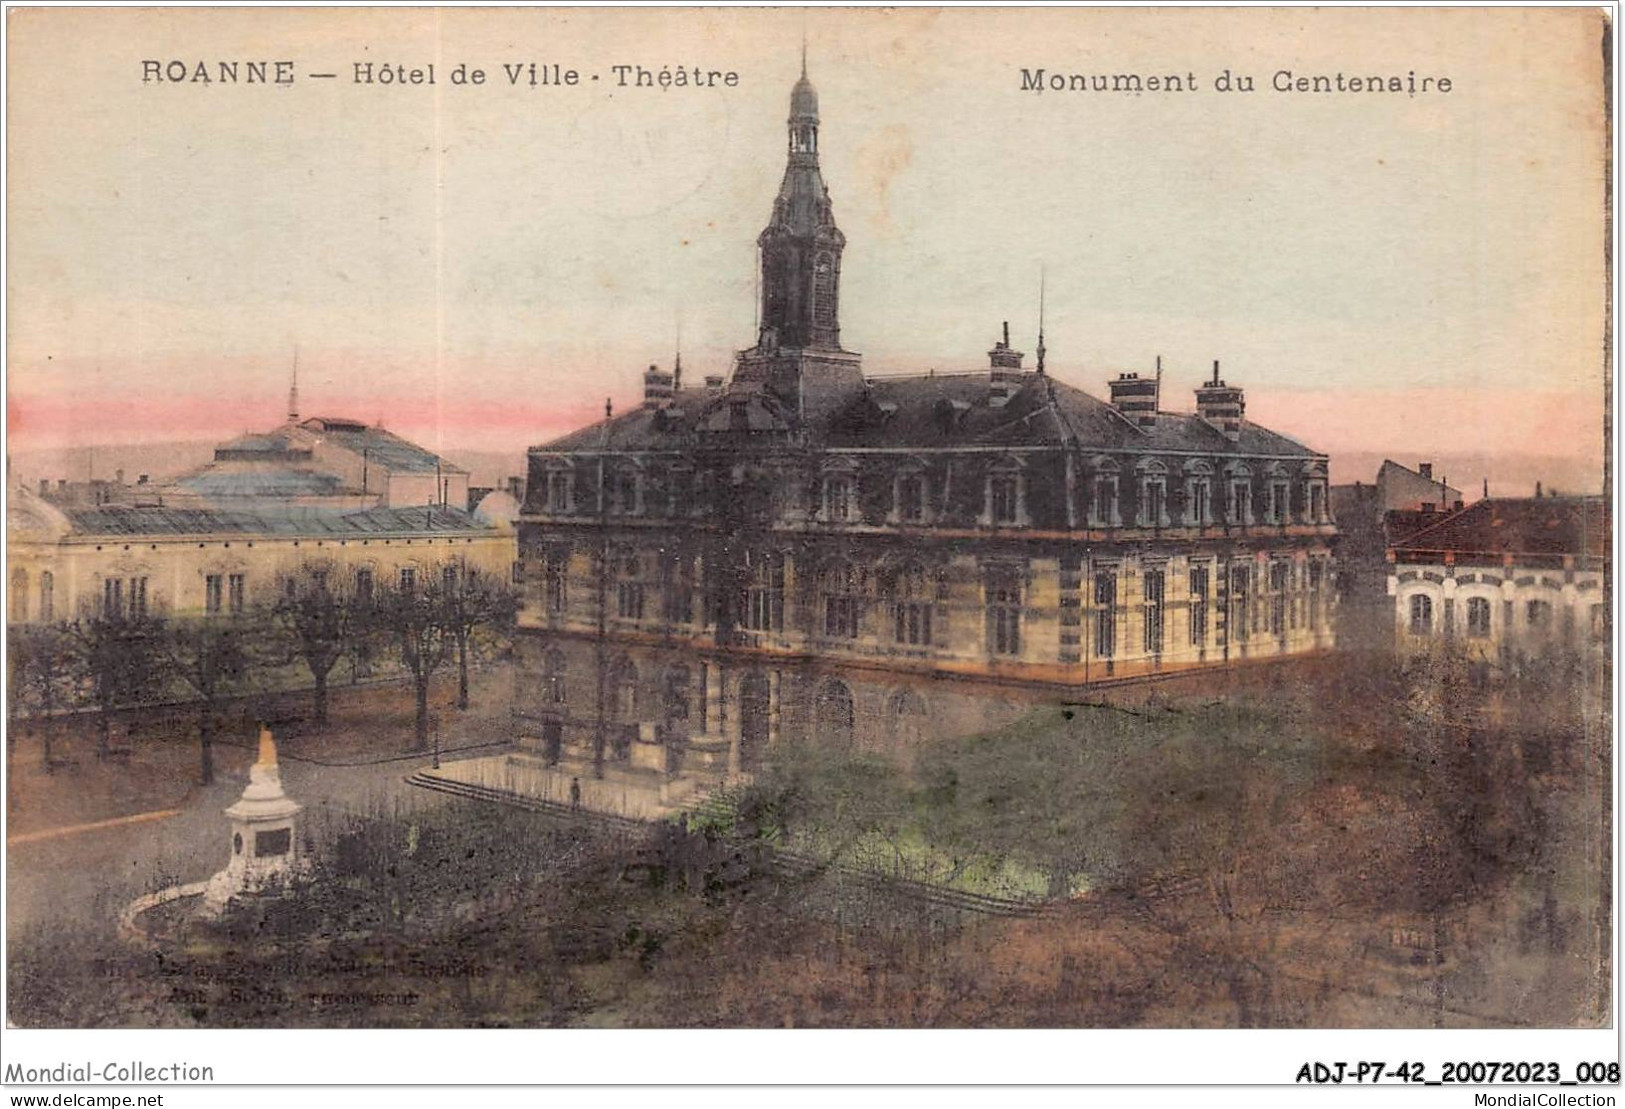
(1505, 580)
(277, 505)
(800, 551)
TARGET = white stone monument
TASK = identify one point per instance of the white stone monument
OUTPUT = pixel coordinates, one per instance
(263, 844)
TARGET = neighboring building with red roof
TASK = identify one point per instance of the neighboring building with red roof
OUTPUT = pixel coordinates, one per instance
(1505, 578)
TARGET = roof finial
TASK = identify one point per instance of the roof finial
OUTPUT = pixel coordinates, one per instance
(293, 390)
(1040, 317)
(677, 362)
(804, 49)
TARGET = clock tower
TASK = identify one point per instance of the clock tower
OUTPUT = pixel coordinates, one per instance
(798, 353)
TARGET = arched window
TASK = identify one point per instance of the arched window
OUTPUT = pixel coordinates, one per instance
(834, 715)
(1421, 614)
(907, 718)
(19, 594)
(841, 586)
(1478, 618)
(913, 608)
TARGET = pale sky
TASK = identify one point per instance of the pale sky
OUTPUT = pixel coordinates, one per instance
(481, 267)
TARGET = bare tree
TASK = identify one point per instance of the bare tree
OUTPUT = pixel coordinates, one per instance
(476, 601)
(414, 617)
(214, 657)
(324, 615)
(42, 666)
(115, 652)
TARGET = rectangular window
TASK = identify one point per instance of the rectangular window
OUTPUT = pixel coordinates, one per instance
(363, 585)
(629, 600)
(1478, 618)
(1199, 591)
(913, 620)
(911, 498)
(236, 593)
(212, 593)
(1105, 506)
(555, 569)
(1240, 507)
(764, 601)
(448, 578)
(841, 616)
(558, 491)
(408, 579)
(1105, 613)
(1004, 614)
(1201, 507)
(1421, 614)
(1538, 615)
(838, 499)
(138, 598)
(1241, 606)
(1280, 502)
(1317, 582)
(1153, 496)
(1153, 611)
(1278, 598)
(113, 597)
(47, 598)
(1317, 506)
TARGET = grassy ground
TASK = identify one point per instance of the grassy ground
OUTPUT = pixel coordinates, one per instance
(1363, 847)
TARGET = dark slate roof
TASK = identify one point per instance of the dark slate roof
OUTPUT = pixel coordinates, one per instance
(381, 447)
(109, 520)
(951, 410)
(1531, 525)
(220, 480)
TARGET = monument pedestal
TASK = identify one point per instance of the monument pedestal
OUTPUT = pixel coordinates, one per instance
(264, 848)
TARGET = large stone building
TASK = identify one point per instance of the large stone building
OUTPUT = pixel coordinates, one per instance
(332, 495)
(1505, 579)
(802, 551)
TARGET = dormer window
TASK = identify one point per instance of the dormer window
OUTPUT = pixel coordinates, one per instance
(626, 491)
(1006, 494)
(1198, 494)
(560, 491)
(1005, 491)
(1153, 495)
(1278, 497)
(909, 497)
(1103, 503)
(1317, 503)
(838, 498)
(1238, 504)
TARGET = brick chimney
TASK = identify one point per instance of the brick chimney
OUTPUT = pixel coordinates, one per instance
(657, 387)
(1136, 398)
(1004, 374)
(1221, 405)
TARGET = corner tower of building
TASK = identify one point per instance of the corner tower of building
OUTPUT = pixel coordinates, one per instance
(798, 353)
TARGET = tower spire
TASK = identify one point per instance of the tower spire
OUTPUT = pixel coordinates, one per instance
(677, 360)
(293, 390)
(1040, 318)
